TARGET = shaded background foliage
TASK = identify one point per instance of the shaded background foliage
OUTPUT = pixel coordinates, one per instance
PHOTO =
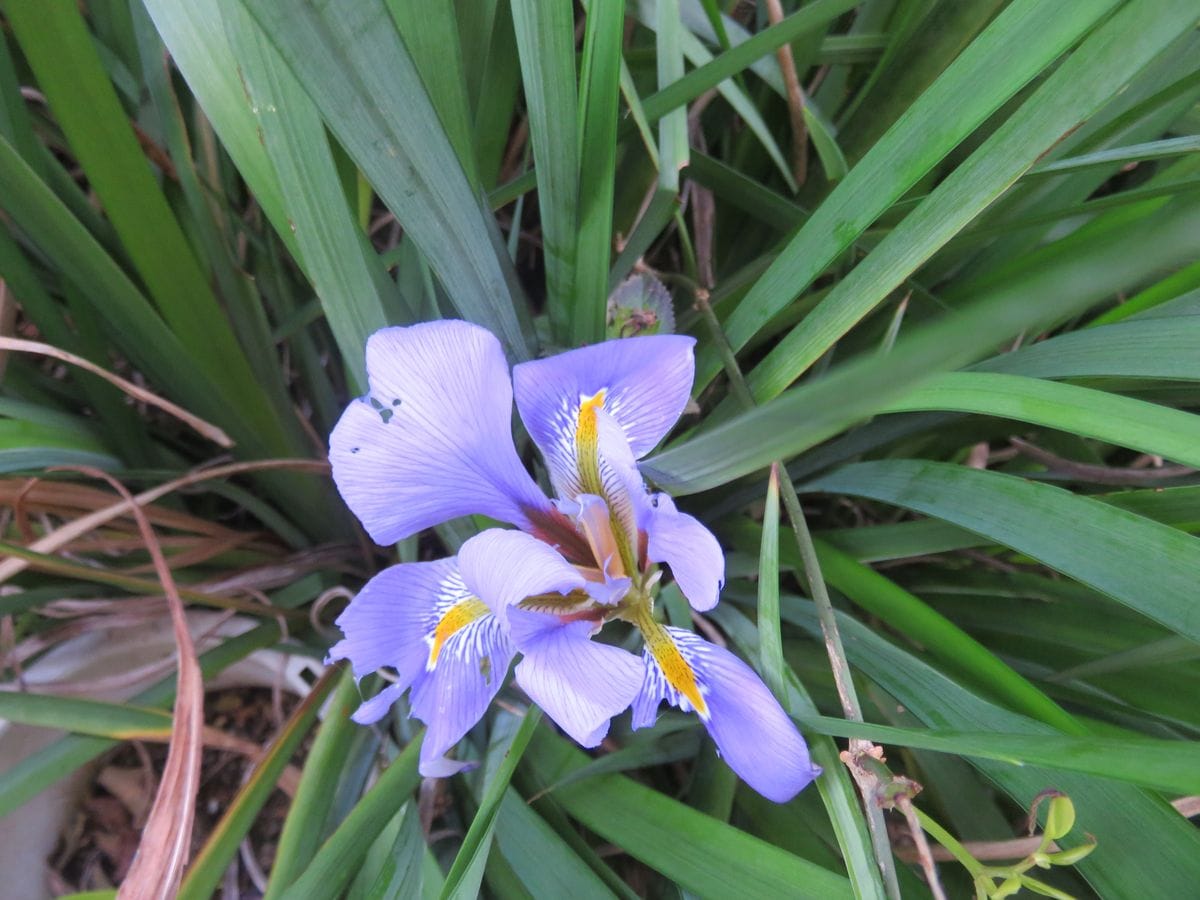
(942, 262)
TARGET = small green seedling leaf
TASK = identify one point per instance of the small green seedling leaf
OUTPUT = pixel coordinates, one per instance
(1061, 817)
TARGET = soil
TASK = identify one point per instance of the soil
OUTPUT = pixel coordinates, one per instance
(99, 843)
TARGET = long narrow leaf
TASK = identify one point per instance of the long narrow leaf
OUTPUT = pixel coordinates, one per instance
(1022, 41)
(1099, 545)
(350, 60)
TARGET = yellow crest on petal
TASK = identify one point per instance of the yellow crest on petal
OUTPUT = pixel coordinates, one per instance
(677, 670)
(587, 443)
(456, 618)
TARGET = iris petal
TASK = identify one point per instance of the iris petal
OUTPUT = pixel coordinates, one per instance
(754, 735)
(421, 619)
(647, 382)
(683, 543)
(452, 698)
(388, 623)
(502, 568)
(580, 683)
(376, 708)
(433, 440)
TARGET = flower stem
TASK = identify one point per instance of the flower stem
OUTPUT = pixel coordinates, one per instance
(947, 840)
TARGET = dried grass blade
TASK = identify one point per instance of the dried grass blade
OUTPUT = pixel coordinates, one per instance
(207, 429)
(62, 536)
(66, 500)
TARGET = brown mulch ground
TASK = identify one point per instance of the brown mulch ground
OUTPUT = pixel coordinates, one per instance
(98, 845)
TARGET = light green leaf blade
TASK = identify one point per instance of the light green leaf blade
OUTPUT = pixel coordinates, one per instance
(599, 92)
(1125, 421)
(1021, 41)
(706, 856)
(1099, 545)
(310, 807)
(466, 872)
(335, 863)
(809, 413)
(326, 234)
(1172, 766)
(349, 58)
(1126, 820)
(543, 862)
(1076, 89)
(55, 40)
(546, 46)
(206, 869)
(81, 716)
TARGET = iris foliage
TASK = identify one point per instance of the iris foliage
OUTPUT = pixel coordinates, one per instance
(940, 258)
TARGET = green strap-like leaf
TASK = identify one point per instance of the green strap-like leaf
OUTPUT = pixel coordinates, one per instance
(1143, 426)
(701, 854)
(206, 870)
(1128, 822)
(336, 861)
(545, 32)
(79, 716)
(1145, 565)
(599, 91)
(1081, 85)
(327, 236)
(351, 61)
(466, 872)
(314, 796)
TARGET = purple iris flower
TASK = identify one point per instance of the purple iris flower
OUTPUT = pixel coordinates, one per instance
(433, 441)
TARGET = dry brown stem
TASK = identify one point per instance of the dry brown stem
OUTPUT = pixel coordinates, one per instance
(207, 429)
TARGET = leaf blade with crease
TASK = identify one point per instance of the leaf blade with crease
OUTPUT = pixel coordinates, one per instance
(349, 58)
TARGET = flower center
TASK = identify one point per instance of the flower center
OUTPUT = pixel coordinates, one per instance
(598, 479)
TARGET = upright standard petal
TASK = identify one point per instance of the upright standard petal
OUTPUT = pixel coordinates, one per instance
(754, 735)
(503, 568)
(642, 383)
(579, 683)
(433, 439)
(679, 540)
(444, 643)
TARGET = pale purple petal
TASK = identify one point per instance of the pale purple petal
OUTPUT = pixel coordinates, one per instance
(444, 767)
(433, 439)
(646, 383)
(753, 734)
(579, 683)
(696, 559)
(502, 568)
(374, 709)
(393, 622)
(453, 697)
(388, 622)
(610, 591)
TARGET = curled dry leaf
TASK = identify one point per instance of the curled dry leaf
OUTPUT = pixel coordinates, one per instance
(162, 852)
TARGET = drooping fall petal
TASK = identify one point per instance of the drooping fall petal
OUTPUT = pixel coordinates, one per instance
(683, 543)
(443, 642)
(754, 735)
